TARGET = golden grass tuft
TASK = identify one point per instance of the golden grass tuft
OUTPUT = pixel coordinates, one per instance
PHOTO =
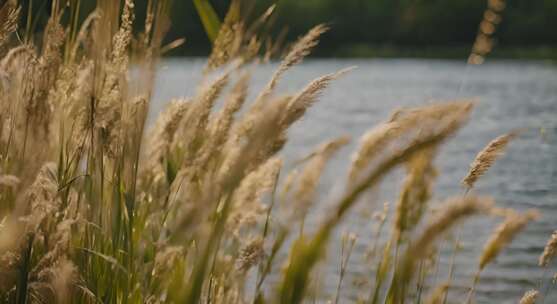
(529, 297)
(98, 206)
(549, 251)
(486, 158)
(504, 234)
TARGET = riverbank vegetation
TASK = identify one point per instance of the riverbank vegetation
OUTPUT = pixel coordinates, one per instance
(98, 207)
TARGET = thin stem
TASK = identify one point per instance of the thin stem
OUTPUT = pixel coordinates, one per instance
(344, 258)
(547, 288)
(265, 233)
(473, 288)
(452, 264)
(420, 282)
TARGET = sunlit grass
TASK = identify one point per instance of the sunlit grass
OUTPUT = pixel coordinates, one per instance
(97, 207)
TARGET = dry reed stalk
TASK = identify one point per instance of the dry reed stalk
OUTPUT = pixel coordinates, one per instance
(193, 127)
(297, 53)
(256, 146)
(438, 294)
(77, 108)
(288, 184)
(415, 193)
(9, 14)
(64, 277)
(220, 126)
(83, 34)
(247, 208)
(250, 255)
(240, 160)
(499, 239)
(9, 181)
(404, 122)
(162, 135)
(370, 143)
(504, 234)
(308, 96)
(549, 251)
(110, 108)
(123, 37)
(383, 270)
(348, 242)
(79, 85)
(42, 198)
(229, 39)
(455, 211)
(39, 108)
(430, 136)
(165, 259)
(486, 158)
(237, 40)
(297, 106)
(221, 123)
(308, 179)
(8, 235)
(380, 217)
(529, 297)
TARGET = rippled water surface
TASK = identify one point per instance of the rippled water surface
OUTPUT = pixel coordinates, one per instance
(511, 95)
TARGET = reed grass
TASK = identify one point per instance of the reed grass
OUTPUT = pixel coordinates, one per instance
(96, 206)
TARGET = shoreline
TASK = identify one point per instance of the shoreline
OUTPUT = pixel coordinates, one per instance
(542, 53)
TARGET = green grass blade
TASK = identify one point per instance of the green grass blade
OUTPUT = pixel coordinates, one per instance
(208, 17)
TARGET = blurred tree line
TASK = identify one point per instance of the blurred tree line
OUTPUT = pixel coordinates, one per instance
(396, 24)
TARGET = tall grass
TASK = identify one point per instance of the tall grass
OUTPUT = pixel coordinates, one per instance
(98, 207)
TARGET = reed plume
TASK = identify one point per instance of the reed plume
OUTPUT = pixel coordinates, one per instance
(247, 207)
(380, 139)
(308, 96)
(221, 125)
(64, 279)
(438, 294)
(430, 136)
(486, 158)
(194, 126)
(415, 193)
(529, 297)
(92, 209)
(9, 181)
(298, 51)
(455, 211)
(504, 234)
(9, 14)
(309, 176)
(162, 136)
(250, 255)
(549, 251)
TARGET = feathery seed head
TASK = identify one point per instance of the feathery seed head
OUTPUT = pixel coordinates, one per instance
(407, 123)
(456, 210)
(438, 294)
(297, 53)
(549, 251)
(529, 297)
(504, 234)
(9, 15)
(486, 158)
(308, 179)
(250, 255)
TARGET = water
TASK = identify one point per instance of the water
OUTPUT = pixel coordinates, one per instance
(511, 94)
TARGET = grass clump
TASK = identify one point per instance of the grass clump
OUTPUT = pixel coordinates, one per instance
(95, 207)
